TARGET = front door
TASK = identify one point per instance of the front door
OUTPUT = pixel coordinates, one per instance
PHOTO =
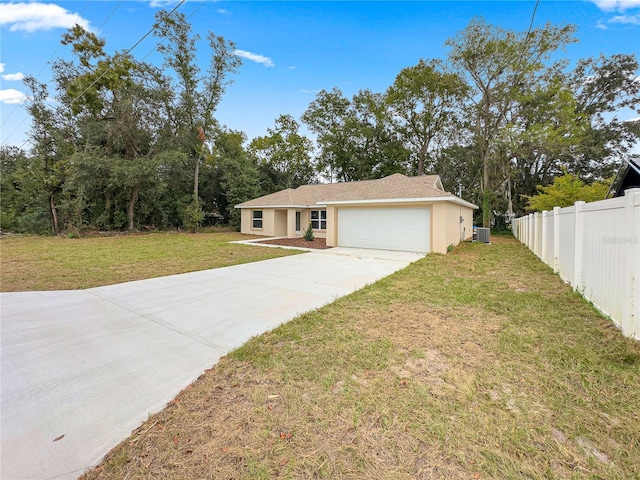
(297, 221)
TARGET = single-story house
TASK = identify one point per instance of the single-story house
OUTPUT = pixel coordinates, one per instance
(391, 213)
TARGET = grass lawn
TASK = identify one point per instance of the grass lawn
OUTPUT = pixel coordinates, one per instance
(55, 263)
(478, 364)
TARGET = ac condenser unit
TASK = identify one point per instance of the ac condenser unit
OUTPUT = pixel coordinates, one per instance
(483, 234)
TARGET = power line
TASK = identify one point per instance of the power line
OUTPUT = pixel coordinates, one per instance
(110, 67)
(199, 5)
(49, 61)
(78, 15)
(526, 38)
(126, 52)
(535, 9)
(109, 17)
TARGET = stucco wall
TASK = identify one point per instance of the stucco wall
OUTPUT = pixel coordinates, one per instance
(278, 222)
(457, 231)
(268, 222)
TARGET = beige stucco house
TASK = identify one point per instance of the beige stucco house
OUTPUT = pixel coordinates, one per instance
(392, 213)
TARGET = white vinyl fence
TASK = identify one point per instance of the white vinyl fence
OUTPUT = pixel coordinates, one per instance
(596, 248)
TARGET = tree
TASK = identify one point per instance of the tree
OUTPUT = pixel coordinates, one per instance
(498, 64)
(423, 100)
(238, 177)
(114, 112)
(284, 155)
(603, 87)
(194, 98)
(356, 138)
(565, 191)
(48, 149)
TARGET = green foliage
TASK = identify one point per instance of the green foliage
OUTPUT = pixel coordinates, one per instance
(308, 234)
(565, 191)
(423, 99)
(284, 156)
(130, 145)
(356, 137)
(193, 215)
(237, 175)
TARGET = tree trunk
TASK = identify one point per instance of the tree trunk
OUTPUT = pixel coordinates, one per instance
(131, 207)
(421, 156)
(486, 204)
(196, 176)
(54, 214)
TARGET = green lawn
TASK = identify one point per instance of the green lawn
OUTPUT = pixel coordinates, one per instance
(55, 263)
(478, 364)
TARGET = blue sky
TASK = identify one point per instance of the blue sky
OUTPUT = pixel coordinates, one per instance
(291, 49)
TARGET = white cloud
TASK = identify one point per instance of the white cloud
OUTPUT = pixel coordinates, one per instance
(313, 92)
(255, 57)
(162, 3)
(34, 16)
(626, 19)
(11, 95)
(601, 25)
(222, 11)
(13, 77)
(620, 5)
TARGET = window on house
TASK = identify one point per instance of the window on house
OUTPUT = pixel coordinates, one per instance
(257, 219)
(319, 219)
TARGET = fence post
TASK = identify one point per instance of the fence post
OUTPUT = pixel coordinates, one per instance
(543, 237)
(531, 232)
(578, 239)
(631, 309)
(556, 239)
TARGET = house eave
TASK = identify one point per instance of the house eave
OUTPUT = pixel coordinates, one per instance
(273, 206)
(399, 200)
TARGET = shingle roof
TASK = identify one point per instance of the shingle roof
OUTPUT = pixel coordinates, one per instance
(396, 186)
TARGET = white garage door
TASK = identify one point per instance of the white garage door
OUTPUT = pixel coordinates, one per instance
(404, 229)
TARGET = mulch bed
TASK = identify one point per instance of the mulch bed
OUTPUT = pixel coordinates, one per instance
(319, 243)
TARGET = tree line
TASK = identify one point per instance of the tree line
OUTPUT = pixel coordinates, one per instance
(131, 145)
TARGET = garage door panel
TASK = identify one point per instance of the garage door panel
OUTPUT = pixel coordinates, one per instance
(405, 229)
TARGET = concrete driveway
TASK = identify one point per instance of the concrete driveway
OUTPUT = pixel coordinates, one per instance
(81, 369)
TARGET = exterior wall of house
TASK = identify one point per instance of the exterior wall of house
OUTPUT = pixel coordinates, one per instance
(459, 223)
(268, 222)
(278, 222)
(446, 228)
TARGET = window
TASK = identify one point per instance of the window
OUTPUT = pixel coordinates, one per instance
(319, 219)
(257, 219)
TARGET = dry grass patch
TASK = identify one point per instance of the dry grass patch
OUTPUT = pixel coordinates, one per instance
(443, 370)
(56, 263)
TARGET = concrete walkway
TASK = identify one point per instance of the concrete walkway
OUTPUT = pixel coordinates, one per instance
(81, 369)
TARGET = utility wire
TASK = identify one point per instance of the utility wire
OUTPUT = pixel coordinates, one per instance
(535, 9)
(49, 61)
(109, 17)
(126, 52)
(78, 15)
(188, 17)
(110, 67)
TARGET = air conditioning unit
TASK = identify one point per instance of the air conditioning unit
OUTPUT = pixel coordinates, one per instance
(482, 235)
